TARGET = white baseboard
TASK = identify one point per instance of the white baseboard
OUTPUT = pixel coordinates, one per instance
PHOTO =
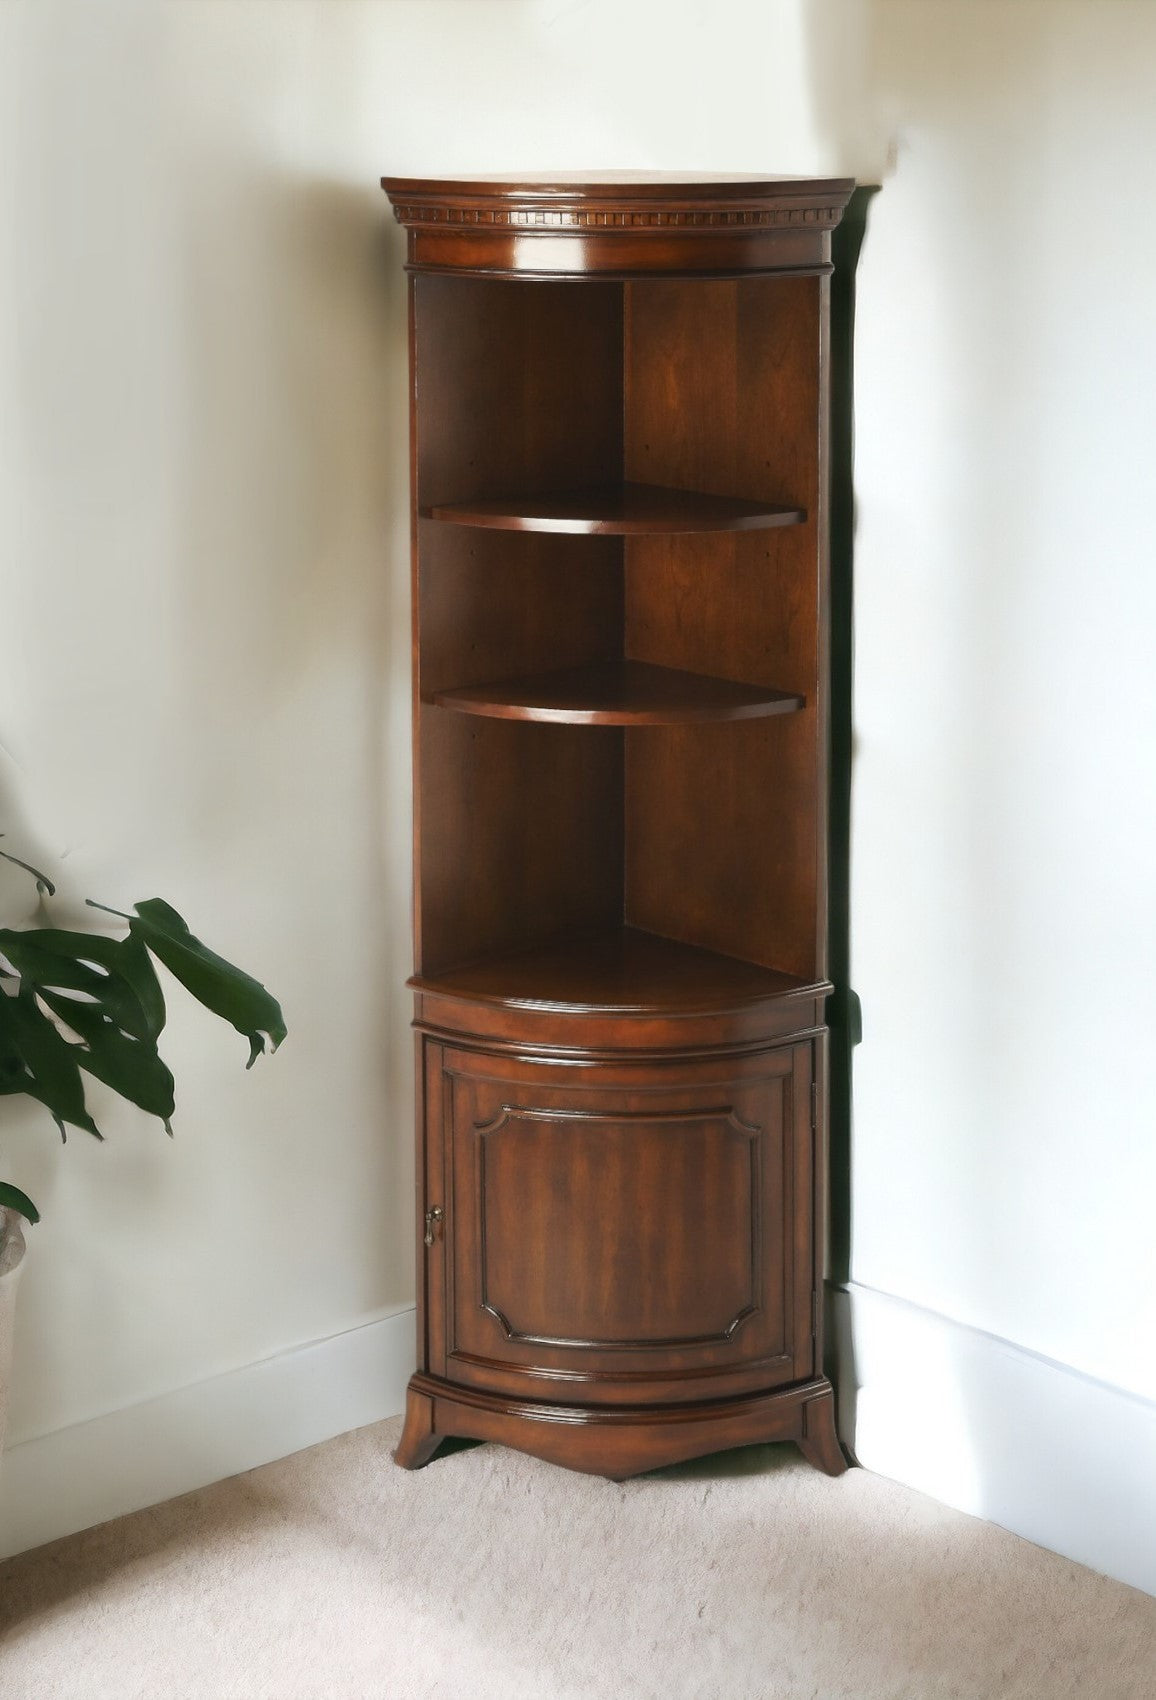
(971, 1420)
(992, 1429)
(59, 1483)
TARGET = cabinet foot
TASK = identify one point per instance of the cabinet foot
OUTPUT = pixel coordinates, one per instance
(617, 1440)
(418, 1441)
(818, 1441)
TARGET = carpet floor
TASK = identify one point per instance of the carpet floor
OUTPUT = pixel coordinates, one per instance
(333, 1575)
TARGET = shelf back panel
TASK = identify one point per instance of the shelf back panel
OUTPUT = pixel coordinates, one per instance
(492, 606)
(724, 826)
(518, 828)
(521, 834)
(518, 388)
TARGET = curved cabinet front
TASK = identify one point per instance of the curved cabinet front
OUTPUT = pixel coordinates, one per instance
(638, 1232)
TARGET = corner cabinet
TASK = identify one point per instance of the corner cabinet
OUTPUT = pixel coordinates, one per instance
(619, 554)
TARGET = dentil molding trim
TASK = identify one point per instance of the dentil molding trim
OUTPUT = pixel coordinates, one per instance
(441, 216)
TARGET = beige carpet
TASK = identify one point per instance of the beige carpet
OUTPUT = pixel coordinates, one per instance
(488, 1576)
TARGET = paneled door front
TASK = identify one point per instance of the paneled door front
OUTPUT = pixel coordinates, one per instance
(642, 1232)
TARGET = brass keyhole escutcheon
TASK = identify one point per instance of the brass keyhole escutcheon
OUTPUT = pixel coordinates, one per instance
(432, 1217)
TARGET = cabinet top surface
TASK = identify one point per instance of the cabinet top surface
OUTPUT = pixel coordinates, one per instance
(651, 185)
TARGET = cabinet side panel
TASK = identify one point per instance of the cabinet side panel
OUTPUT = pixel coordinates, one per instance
(518, 388)
(723, 833)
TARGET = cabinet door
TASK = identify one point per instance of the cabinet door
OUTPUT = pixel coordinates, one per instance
(638, 1232)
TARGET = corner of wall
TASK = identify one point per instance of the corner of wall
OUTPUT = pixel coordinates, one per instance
(992, 1429)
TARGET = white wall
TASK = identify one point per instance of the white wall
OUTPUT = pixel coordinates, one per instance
(1004, 813)
(1005, 819)
(203, 549)
(205, 689)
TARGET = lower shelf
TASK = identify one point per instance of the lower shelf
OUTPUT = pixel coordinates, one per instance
(620, 1441)
(623, 970)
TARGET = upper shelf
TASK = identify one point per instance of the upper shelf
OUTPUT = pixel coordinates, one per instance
(619, 693)
(617, 510)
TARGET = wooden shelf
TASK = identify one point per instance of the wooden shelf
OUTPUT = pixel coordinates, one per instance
(617, 510)
(619, 693)
(624, 971)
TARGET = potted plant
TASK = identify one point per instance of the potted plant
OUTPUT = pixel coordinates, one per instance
(75, 1004)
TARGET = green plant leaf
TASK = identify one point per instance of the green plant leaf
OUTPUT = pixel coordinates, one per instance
(49, 1069)
(131, 1067)
(124, 986)
(136, 985)
(135, 963)
(11, 1198)
(12, 1070)
(220, 987)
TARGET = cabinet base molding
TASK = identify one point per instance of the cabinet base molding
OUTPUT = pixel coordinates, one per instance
(623, 1440)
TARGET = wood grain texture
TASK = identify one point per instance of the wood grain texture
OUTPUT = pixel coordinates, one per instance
(600, 1034)
(521, 834)
(618, 224)
(419, 1439)
(722, 392)
(619, 510)
(619, 254)
(619, 693)
(617, 1443)
(644, 1226)
(711, 192)
(819, 1441)
(520, 828)
(488, 605)
(622, 971)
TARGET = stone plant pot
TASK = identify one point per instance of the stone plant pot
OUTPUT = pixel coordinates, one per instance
(11, 1263)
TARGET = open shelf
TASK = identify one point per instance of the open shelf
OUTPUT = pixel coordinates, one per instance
(617, 510)
(623, 970)
(619, 693)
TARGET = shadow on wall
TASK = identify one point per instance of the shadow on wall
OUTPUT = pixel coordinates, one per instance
(839, 39)
(878, 68)
(858, 99)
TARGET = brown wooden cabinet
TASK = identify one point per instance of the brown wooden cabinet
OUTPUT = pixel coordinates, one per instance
(618, 431)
